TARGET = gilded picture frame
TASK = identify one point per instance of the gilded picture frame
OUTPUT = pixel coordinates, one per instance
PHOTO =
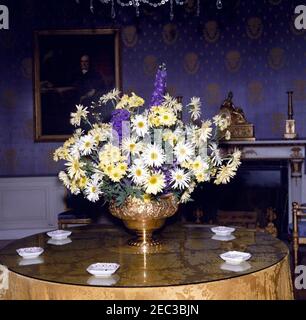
(71, 67)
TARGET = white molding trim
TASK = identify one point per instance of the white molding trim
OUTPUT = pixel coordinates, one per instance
(29, 205)
(14, 234)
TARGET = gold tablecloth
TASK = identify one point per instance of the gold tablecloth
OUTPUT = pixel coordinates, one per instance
(269, 284)
(187, 269)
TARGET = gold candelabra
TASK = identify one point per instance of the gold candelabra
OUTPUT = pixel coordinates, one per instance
(290, 132)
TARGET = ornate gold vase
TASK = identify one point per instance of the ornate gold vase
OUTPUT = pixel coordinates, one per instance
(144, 217)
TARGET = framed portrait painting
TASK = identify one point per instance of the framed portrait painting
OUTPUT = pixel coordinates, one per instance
(72, 67)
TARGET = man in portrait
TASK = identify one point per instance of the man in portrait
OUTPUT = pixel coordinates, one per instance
(88, 82)
(71, 69)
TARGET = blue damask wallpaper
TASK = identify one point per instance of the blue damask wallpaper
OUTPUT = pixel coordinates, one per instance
(250, 47)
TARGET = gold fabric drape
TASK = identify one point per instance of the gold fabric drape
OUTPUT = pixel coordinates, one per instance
(4, 280)
(268, 284)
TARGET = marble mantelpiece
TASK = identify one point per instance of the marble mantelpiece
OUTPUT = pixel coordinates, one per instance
(293, 151)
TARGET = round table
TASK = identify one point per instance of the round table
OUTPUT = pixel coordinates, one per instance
(187, 266)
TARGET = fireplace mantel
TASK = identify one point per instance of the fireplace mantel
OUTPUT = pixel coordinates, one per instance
(270, 149)
(291, 150)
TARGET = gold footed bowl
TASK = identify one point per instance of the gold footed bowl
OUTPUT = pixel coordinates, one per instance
(144, 217)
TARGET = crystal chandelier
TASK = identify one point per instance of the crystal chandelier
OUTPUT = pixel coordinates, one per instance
(137, 3)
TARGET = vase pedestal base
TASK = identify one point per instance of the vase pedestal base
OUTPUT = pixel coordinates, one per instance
(144, 233)
(144, 242)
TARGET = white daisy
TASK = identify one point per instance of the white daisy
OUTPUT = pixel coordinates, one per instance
(236, 158)
(167, 118)
(205, 131)
(195, 108)
(87, 144)
(135, 101)
(194, 138)
(77, 133)
(187, 194)
(75, 120)
(215, 154)
(74, 188)
(172, 103)
(185, 197)
(227, 135)
(99, 134)
(74, 150)
(154, 183)
(92, 191)
(75, 168)
(180, 179)
(138, 173)
(139, 162)
(192, 134)
(153, 156)
(169, 101)
(202, 176)
(221, 121)
(140, 125)
(112, 95)
(224, 174)
(110, 153)
(60, 153)
(170, 136)
(183, 151)
(130, 146)
(97, 176)
(64, 178)
(77, 116)
(199, 165)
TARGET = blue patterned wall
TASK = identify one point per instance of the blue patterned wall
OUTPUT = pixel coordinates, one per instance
(251, 47)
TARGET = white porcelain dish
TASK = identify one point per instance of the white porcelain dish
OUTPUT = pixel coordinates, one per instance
(30, 252)
(222, 231)
(236, 268)
(102, 269)
(59, 242)
(235, 257)
(223, 238)
(59, 234)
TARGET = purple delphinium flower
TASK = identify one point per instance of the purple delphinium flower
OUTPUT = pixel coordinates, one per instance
(166, 170)
(168, 177)
(118, 116)
(160, 86)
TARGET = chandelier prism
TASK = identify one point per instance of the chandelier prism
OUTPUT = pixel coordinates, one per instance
(137, 3)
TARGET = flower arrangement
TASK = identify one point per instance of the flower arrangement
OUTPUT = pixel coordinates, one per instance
(144, 153)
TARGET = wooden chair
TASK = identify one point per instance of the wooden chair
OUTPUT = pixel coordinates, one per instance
(246, 219)
(299, 228)
(68, 218)
(78, 211)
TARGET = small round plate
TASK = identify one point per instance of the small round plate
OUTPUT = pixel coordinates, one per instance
(222, 231)
(235, 257)
(102, 269)
(59, 234)
(30, 252)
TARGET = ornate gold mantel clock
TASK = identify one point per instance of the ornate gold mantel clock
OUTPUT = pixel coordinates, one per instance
(240, 128)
